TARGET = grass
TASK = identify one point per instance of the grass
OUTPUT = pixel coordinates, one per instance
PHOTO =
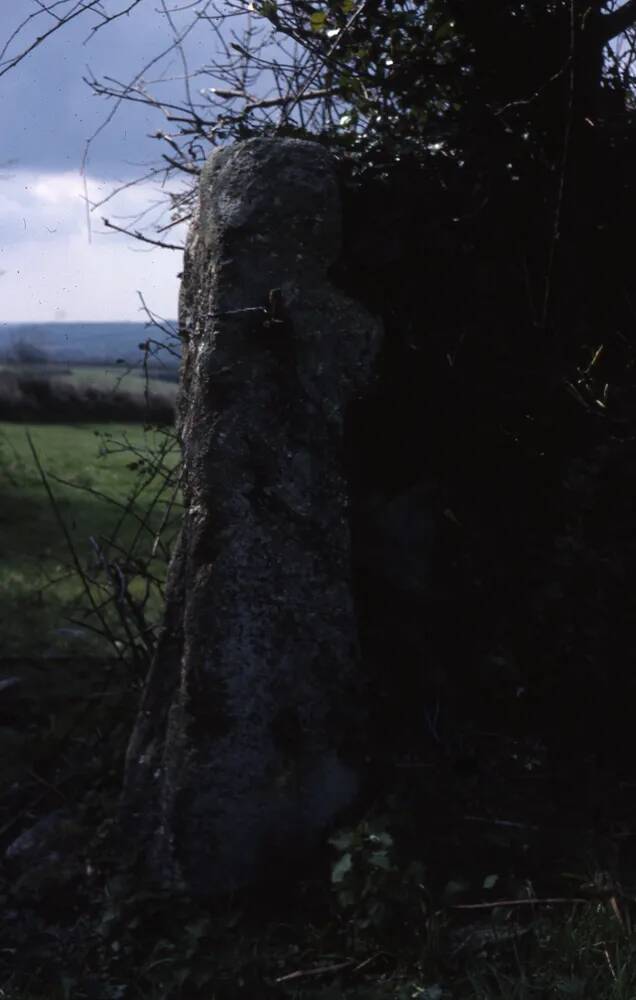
(93, 473)
(586, 952)
(170, 949)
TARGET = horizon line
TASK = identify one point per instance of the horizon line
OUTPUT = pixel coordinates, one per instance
(41, 322)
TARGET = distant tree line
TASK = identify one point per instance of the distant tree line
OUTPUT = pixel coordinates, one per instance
(37, 398)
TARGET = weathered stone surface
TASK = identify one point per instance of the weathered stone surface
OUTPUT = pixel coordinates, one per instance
(239, 758)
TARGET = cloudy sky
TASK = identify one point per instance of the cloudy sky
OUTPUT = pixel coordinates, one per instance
(51, 267)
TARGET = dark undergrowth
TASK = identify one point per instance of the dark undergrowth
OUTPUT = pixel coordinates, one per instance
(472, 874)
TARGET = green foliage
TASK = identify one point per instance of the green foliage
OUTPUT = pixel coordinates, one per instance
(318, 20)
(438, 72)
(379, 892)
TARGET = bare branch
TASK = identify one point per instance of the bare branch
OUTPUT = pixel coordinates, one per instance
(160, 323)
(253, 104)
(135, 234)
(619, 21)
(127, 184)
(175, 222)
(108, 19)
(59, 23)
(187, 168)
(138, 76)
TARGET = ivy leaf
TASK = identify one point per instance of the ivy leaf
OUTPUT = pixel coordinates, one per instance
(342, 841)
(380, 859)
(341, 868)
(269, 10)
(346, 897)
(445, 31)
(452, 891)
(318, 20)
(347, 119)
(382, 837)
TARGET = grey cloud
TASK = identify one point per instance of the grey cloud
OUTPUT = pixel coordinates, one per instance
(47, 112)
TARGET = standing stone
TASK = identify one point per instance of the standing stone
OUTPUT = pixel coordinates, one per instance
(238, 762)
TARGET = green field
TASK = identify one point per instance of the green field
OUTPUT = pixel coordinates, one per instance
(108, 484)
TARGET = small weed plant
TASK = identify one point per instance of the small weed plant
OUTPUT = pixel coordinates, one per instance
(377, 894)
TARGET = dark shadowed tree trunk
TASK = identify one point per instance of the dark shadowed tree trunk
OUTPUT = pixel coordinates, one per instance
(242, 752)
